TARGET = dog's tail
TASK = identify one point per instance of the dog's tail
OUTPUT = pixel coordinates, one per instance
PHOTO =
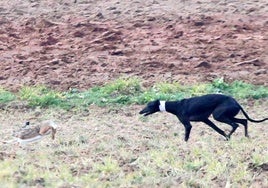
(252, 120)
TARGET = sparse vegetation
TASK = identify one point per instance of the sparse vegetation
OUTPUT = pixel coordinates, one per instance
(115, 147)
(111, 149)
(125, 91)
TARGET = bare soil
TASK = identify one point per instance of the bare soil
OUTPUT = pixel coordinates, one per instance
(77, 44)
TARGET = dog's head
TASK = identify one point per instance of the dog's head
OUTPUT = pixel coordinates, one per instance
(151, 108)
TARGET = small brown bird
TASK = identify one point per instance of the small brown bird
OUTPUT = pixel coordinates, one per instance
(29, 134)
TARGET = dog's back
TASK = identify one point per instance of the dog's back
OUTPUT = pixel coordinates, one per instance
(206, 102)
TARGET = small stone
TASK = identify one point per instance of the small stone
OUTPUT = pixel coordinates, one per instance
(204, 64)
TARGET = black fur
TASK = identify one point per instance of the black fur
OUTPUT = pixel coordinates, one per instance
(223, 108)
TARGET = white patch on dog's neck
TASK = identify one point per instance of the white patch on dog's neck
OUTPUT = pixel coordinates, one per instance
(162, 106)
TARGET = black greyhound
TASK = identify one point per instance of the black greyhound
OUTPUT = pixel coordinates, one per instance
(223, 108)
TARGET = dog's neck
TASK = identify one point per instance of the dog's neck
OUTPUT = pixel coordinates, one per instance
(162, 106)
(169, 106)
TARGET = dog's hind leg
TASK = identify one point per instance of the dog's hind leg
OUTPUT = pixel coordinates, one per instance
(226, 113)
(213, 126)
(228, 121)
(244, 122)
(234, 127)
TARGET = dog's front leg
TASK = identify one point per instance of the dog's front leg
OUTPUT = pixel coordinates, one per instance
(187, 125)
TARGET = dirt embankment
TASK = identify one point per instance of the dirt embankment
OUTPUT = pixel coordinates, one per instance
(83, 43)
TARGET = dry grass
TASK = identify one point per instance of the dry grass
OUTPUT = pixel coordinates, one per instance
(111, 147)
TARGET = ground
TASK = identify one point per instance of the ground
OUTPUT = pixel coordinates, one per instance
(115, 147)
(78, 44)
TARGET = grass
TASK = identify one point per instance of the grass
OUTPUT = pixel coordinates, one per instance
(111, 149)
(107, 147)
(126, 91)
(41, 96)
(6, 96)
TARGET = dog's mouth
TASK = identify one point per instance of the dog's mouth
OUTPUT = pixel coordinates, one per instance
(145, 112)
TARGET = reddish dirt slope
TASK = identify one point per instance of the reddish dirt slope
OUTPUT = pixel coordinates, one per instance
(82, 43)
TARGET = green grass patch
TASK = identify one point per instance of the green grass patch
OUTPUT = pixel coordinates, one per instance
(239, 89)
(126, 91)
(41, 96)
(6, 96)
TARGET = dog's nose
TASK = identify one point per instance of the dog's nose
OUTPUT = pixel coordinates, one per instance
(143, 111)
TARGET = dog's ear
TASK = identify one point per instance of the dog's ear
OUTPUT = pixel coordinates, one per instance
(151, 108)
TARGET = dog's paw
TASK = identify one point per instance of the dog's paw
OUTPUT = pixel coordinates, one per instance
(227, 137)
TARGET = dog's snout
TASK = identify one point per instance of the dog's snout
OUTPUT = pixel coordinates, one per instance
(142, 111)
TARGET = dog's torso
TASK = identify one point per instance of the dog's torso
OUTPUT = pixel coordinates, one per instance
(200, 108)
